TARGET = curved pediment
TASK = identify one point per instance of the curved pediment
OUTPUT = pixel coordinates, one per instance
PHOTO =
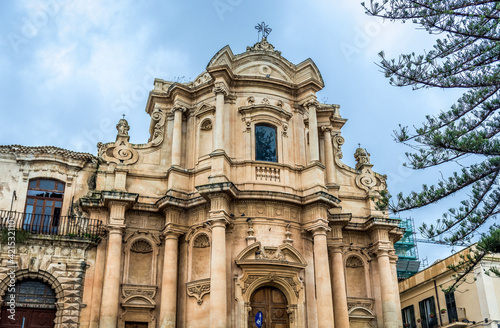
(138, 301)
(263, 61)
(284, 254)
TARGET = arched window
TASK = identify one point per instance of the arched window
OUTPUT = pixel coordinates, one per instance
(32, 293)
(265, 143)
(43, 205)
(35, 303)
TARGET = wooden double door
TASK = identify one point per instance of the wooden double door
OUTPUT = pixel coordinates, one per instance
(32, 318)
(273, 304)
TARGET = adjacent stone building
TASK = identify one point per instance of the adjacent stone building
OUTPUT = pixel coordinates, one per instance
(239, 203)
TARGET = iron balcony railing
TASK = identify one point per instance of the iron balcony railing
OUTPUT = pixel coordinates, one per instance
(57, 225)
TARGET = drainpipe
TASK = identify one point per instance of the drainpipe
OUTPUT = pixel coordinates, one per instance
(438, 311)
(14, 197)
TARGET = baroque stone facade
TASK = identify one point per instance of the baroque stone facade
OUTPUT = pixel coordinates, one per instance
(239, 203)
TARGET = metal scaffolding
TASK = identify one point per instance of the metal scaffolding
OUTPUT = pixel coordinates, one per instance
(406, 250)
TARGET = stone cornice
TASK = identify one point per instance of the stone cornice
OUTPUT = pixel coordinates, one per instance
(46, 153)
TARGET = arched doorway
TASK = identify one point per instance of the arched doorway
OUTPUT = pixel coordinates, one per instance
(273, 304)
(34, 305)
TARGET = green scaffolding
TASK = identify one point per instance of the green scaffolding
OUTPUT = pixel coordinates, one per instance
(406, 250)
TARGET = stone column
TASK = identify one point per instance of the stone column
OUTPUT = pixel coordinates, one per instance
(177, 135)
(319, 229)
(220, 91)
(218, 297)
(339, 288)
(112, 279)
(330, 167)
(393, 260)
(389, 308)
(313, 131)
(168, 309)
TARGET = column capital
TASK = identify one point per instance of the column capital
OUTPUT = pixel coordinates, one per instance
(311, 103)
(220, 87)
(179, 108)
(381, 252)
(116, 229)
(219, 221)
(319, 226)
(172, 230)
(326, 128)
(335, 248)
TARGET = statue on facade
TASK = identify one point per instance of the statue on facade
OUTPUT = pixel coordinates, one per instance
(362, 157)
(123, 127)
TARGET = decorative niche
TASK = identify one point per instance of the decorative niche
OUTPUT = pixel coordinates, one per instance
(141, 256)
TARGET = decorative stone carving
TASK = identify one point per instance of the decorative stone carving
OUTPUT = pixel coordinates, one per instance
(121, 151)
(272, 253)
(290, 310)
(288, 235)
(362, 157)
(312, 102)
(178, 107)
(251, 100)
(263, 45)
(122, 127)
(250, 231)
(138, 296)
(365, 303)
(248, 124)
(366, 180)
(292, 283)
(338, 141)
(198, 289)
(141, 246)
(220, 87)
(279, 104)
(206, 125)
(354, 262)
(201, 241)
(157, 134)
(285, 130)
(265, 101)
(248, 282)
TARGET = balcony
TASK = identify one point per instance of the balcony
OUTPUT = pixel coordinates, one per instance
(52, 225)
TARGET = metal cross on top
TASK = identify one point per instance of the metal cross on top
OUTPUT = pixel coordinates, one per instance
(264, 29)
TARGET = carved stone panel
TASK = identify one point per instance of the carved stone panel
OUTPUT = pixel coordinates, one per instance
(198, 289)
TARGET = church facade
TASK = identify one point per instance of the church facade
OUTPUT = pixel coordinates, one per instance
(237, 210)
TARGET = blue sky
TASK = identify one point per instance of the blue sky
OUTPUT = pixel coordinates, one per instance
(71, 68)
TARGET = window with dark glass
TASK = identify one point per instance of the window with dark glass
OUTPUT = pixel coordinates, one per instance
(428, 313)
(33, 294)
(265, 143)
(408, 315)
(451, 307)
(43, 206)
